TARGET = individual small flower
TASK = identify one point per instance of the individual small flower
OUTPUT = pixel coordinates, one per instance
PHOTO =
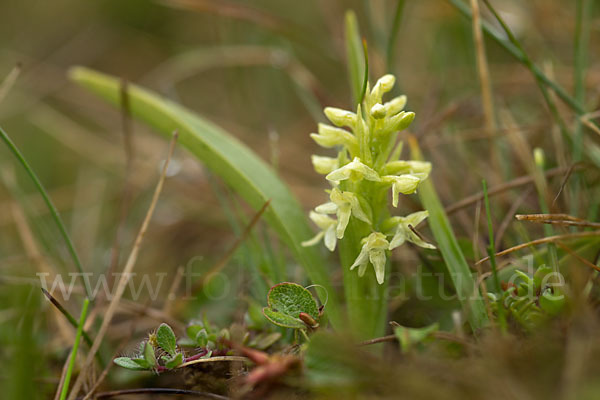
(373, 250)
(324, 165)
(330, 136)
(404, 233)
(327, 226)
(405, 184)
(355, 171)
(344, 204)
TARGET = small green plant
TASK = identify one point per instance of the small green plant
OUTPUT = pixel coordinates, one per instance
(163, 340)
(532, 300)
(292, 306)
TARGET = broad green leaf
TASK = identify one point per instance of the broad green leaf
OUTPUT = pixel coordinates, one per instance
(165, 337)
(355, 55)
(286, 301)
(464, 284)
(128, 363)
(175, 361)
(408, 337)
(292, 299)
(227, 157)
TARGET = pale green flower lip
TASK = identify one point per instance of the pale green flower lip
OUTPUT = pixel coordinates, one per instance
(405, 184)
(404, 233)
(355, 171)
(328, 231)
(344, 204)
(407, 167)
(324, 165)
(373, 250)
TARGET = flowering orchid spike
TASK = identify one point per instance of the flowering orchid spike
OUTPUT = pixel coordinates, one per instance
(405, 184)
(404, 233)
(324, 165)
(328, 231)
(355, 171)
(373, 250)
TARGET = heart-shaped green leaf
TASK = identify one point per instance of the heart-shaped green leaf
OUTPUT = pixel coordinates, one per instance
(285, 303)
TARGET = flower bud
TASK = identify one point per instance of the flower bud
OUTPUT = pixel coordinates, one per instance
(378, 111)
(401, 121)
(395, 105)
(340, 117)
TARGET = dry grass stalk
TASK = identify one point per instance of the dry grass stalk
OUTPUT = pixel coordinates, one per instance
(112, 308)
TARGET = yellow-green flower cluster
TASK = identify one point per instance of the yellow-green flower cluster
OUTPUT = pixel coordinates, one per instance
(366, 168)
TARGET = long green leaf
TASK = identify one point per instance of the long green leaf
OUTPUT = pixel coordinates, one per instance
(454, 258)
(230, 159)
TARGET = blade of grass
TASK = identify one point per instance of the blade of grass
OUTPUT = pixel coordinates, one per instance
(238, 166)
(529, 64)
(522, 57)
(454, 258)
(355, 55)
(491, 252)
(53, 211)
(73, 356)
(582, 33)
(9, 81)
(393, 36)
(581, 42)
(67, 315)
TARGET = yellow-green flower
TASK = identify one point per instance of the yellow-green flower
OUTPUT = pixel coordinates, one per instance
(403, 232)
(344, 204)
(324, 165)
(355, 171)
(373, 251)
(405, 184)
(327, 226)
